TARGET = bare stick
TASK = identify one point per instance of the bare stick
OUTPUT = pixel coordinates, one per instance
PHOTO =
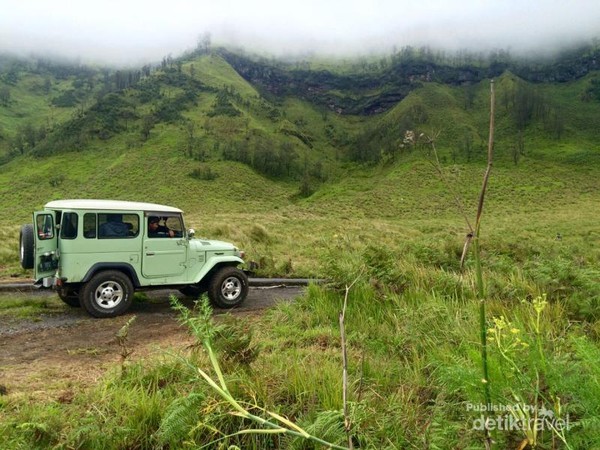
(347, 421)
(490, 158)
(478, 271)
(342, 317)
(468, 240)
(486, 176)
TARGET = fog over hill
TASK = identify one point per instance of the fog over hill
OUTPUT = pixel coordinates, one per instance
(136, 31)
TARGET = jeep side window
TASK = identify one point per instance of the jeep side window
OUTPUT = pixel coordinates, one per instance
(114, 225)
(68, 226)
(164, 226)
(89, 225)
(45, 226)
(174, 223)
(133, 224)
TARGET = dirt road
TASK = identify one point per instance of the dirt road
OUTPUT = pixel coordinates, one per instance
(52, 356)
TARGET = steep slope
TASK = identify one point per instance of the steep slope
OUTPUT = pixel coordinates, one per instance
(184, 124)
(166, 139)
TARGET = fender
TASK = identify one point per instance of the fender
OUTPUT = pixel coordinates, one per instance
(123, 267)
(215, 262)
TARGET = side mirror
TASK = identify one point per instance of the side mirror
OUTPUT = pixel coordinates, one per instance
(190, 233)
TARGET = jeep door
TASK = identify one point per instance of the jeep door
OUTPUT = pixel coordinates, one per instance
(46, 244)
(164, 255)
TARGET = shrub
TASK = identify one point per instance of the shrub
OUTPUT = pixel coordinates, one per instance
(204, 173)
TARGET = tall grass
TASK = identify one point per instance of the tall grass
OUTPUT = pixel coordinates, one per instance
(413, 370)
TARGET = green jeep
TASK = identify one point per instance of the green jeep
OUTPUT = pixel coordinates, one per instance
(96, 253)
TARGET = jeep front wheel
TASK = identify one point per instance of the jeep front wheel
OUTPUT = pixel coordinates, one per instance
(107, 294)
(193, 291)
(228, 287)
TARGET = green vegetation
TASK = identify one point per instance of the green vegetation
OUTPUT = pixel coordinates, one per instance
(24, 306)
(308, 189)
(412, 333)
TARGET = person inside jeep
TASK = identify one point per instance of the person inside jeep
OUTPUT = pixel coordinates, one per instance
(113, 227)
(155, 229)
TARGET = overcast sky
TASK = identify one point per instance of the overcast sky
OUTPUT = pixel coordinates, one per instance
(137, 31)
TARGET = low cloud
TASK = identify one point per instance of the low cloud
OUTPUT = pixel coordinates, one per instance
(136, 31)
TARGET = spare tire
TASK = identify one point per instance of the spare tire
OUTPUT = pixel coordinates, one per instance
(26, 243)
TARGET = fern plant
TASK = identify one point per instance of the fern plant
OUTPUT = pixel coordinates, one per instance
(204, 331)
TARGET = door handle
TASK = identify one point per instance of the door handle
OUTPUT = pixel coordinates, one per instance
(150, 254)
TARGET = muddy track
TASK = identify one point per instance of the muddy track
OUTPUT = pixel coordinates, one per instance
(67, 349)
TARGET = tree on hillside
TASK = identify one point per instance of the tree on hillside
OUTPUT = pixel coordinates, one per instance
(528, 104)
(305, 189)
(4, 96)
(127, 114)
(47, 85)
(470, 91)
(555, 124)
(287, 157)
(16, 144)
(41, 133)
(204, 42)
(66, 99)
(11, 76)
(29, 135)
(147, 125)
(192, 141)
(524, 106)
(126, 78)
(264, 158)
(518, 148)
(593, 91)
(467, 147)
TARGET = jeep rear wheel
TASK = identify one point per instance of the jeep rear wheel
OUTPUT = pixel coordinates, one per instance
(26, 246)
(107, 294)
(70, 297)
(228, 287)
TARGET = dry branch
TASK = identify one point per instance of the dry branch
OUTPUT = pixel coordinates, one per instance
(342, 317)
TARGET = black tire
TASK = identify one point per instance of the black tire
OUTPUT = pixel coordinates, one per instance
(192, 291)
(70, 297)
(228, 287)
(107, 294)
(26, 244)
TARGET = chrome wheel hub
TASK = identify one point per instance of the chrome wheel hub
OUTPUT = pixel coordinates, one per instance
(231, 288)
(108, 295)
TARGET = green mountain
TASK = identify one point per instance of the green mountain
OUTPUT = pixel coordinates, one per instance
(327, 169)
(231, 138)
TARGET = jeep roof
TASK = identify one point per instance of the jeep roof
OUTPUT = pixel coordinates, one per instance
(120, 205)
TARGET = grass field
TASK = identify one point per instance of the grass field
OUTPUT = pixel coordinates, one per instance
(412, 319)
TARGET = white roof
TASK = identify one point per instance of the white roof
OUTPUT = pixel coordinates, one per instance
(109, 205)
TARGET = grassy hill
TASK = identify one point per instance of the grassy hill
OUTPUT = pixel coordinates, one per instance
(311, 173)
(38, 96)
(196, 134)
